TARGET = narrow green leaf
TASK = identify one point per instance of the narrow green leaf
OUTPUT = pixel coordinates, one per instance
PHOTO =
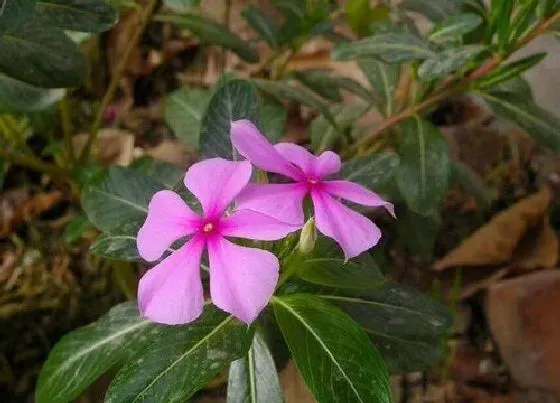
(214, 34)
(253, 378)
(434, 10)
(83, 355)
(334, 356)
(525, 16)
(262, 24)
(448, 61)
(384, 78)
(424, 170)
(121, 197)
(320, 82)
(510, 70)
(455, 26)
(540, 124)
(405, 325)
(273, 117)
(517, 88)
(17, 96)
(390, 47)
(500, 20)
(183, 112)
(375, 172)
(182, 360)
(119, 244)
(41, 56)
(236, 99)
(76, 15)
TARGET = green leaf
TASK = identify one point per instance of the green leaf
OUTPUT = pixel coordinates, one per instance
(76, 228)
(41, 56)
(376, 172)
(455, 26)
(121, 197)
(448, 61)
(471, 182)
(83, 355)
(169, 175)
(358, 14)
(182, 360)
(17, 96)
(525, 16)
(324, 135)
(540, 124)
(119, 244)
(332, 353)
(406, 326)
(326, 266)
(272, 117)
(320, 82)
(419, 233)
(181, 6)
(434, 10)
(253, 378)
(183, 112)
(500, 20)
(282, 90)
(236, 99)
(262, 24)
(510, 70)
(425, 167)
(384, 78)
(214, 34)
(390, 47)
(518, 88)
(76, 15)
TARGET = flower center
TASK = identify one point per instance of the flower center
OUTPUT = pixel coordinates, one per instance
(312, 181)
(208, 227)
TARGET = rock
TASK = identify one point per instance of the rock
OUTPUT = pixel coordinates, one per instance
(523, 317)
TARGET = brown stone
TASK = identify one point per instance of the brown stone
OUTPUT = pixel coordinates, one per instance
(524, 319)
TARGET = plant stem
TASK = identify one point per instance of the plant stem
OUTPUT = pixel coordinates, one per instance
(227, 15)
(66, 121)
(446, 92)
(119, 70)
(34, 163)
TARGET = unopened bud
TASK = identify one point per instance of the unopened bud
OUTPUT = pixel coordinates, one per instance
(308, 236)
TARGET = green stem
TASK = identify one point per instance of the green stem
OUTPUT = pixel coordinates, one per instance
(66, 121)
(34, 163)
(119, 70)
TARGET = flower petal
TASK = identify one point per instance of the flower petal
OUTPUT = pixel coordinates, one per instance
(171, 292)
(357, 194)
(281, 201)
(242, 280)
(326, 164)
(297, 155)
(215, 183)
(251, 144)
(169, 218)
(353, 232)
(254, 225)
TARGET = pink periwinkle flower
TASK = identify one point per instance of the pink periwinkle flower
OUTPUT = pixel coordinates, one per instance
(353, 232)
(242, 279)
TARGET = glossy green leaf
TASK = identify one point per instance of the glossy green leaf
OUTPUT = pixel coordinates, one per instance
(384, 78)
(324, 135)
(76, 15)
(169, 175)
(119, 244)
(326, 266)
(212, 33)
(375, 172)
(41, 56)
(272, 117)
(334, 356)
(17, 96)
(540, 124)
(253, 378)
(434, 10)
(183, 112)
(120, 197)
(182, 360)
(508, 71)
(425, 167)
(455, 26)
(262, 24)
(83, 355)
(236, 99)
(406, 326)
(390, 47)
(448, 61)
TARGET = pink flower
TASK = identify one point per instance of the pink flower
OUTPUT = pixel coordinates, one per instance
(241, 279)
(353, 232)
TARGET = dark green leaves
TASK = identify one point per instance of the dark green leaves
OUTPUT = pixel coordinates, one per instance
(119, 244)
(214, 34)
(333, 355)
(85, 354)
(540, 124)
(454, 27)
(181, 359)
(235, 100)
(424, 170)
(183, 112)
(376, 172)
(253, 378)
(262, 24)
(76, 15)
(434, 10)
(508, 71)
(121, 197)
(448, 61)
(18, 96)
(390, 47)
(384, 78)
